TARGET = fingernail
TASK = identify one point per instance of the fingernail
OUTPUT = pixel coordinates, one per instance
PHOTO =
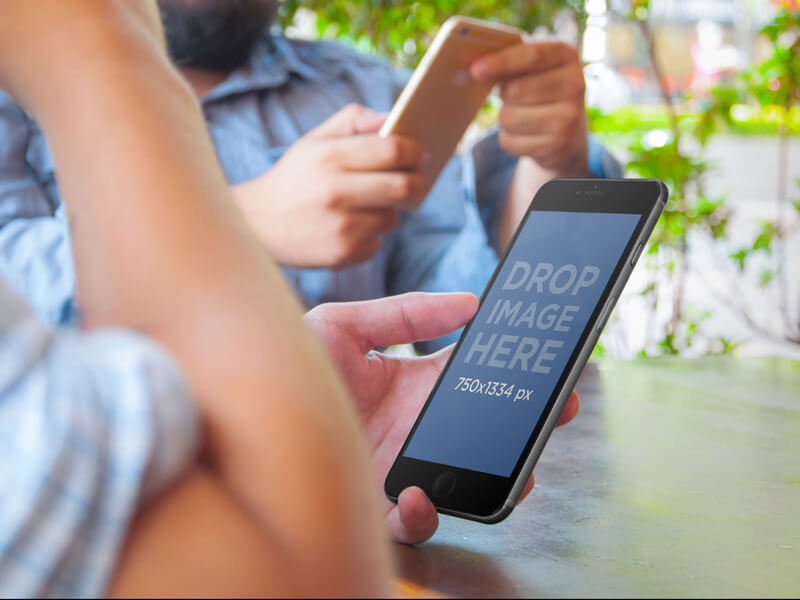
(480, 70)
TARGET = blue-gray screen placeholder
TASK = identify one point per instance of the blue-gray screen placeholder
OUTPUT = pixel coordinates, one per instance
(506, 368)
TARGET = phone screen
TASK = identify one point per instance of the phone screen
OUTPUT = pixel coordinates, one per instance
(512, 356)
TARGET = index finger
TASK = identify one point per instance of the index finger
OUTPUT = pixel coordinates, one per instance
(403, 319)
(375, 153)
(525, 58)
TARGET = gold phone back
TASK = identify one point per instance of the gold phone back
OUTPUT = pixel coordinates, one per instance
(439, 103)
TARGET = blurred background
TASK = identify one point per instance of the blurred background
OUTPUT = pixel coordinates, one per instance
(703, 94)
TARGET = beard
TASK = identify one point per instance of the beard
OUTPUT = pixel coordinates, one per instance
(214, 35)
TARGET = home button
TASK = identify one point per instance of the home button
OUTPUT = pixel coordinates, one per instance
(444, 484)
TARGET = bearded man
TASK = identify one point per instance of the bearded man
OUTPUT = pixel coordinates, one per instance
(343, 211)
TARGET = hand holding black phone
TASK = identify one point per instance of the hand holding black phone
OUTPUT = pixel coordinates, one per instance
(499, 397)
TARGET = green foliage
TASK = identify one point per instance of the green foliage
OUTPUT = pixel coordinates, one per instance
(766, 99)
(690, 209)
(716, 110)
(705, 117)
(599, 351)
(774, 87)
(637, 10)
(763, 244)
(402, 30)
(777, 80)
(685, 336)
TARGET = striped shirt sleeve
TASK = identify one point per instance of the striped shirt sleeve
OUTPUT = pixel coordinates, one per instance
(90, 426)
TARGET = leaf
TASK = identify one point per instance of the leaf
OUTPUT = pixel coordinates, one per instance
(599, 351)
(766, 277)
(739, 257)
(649, 288)
(668, 344)
(769, 231)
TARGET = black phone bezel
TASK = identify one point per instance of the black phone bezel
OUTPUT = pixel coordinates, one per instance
(482, 495)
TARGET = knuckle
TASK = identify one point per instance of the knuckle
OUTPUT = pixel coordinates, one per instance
(574, 85)
(561, 136)
(332, 197)
(325, 153)
(566, 88)
(507, 142)
(570, 53)
(404, 187)
(559, 148)
(342, 226)
(580, 85)
(513, 91)
(578, 114)
(574, 131)
(507, 118)
(560, 151)
(414, 150)
(392, 220)
(532, 53)
(420, 185)
(394, 150)
(570, 117)
(352, 110)
(342, 250)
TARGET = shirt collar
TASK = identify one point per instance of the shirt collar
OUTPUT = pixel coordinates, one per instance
(273, 61)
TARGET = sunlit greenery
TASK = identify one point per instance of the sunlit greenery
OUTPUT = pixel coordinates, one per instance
(403, 29)
(765, 100)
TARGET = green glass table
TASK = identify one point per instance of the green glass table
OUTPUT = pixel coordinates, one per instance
(677, 478)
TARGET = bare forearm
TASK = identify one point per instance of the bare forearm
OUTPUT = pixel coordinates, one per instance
(159, 247)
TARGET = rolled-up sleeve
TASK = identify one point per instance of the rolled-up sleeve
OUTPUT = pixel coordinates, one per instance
(90, 426)
(36, 260)
(35, 252)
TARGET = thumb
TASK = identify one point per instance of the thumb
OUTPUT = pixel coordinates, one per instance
(414, 519)
(353, 119)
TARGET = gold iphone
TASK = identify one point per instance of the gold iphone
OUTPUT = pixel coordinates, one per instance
(441, 99)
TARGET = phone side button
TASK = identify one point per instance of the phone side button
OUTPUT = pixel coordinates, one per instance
(636, 253)
(444, 484)
(604, 317)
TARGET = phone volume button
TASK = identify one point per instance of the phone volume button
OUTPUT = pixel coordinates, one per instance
(606, 313)
(636, 253)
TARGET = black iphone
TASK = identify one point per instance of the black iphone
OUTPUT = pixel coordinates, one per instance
(481, 431)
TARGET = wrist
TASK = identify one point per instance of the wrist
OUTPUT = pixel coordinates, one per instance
(533, 175)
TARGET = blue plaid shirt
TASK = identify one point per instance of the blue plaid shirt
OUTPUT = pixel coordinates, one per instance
(287, 88)
(90, 426)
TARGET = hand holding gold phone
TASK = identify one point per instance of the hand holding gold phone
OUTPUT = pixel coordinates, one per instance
(441, 99)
